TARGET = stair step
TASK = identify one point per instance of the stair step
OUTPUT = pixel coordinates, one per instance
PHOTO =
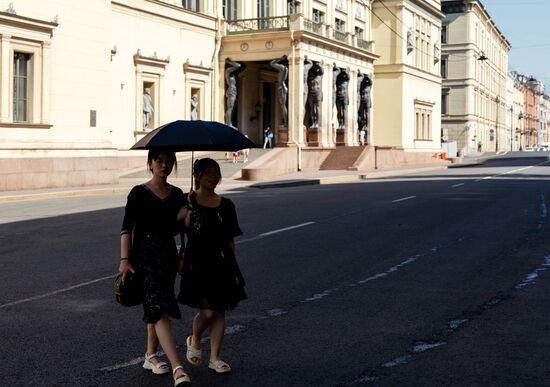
(342, 158)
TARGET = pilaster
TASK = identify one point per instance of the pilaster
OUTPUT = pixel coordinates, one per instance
(5, 80)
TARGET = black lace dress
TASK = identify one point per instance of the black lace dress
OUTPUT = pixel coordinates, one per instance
(153, 224)
(211, 277)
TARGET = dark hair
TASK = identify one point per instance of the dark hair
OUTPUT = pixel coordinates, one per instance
(155, 153)
(201, 165)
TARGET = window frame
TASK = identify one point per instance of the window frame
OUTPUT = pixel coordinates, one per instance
(27, 93)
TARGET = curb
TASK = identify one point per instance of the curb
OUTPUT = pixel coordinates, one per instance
(338, 179)
(62, 194)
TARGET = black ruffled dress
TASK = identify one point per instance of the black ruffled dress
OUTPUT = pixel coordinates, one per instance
(211, 277)
(153, 224)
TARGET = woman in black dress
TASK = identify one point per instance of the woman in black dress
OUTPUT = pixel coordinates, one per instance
(211, 279)
(148, 248)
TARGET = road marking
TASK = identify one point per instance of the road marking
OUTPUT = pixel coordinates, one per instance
(514, 170)
(40, 296)
(286, 229)
(229, 330)
(53, 293)
(402, 199)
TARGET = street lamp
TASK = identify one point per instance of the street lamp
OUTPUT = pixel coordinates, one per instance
(520, 117)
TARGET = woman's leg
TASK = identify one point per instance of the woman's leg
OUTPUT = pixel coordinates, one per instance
(163, 330)
(201, 322)
(217, 328)
(152, 339)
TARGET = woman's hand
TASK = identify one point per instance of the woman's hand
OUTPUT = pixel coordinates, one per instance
(181, 255)
(191, 198)
(124, 268)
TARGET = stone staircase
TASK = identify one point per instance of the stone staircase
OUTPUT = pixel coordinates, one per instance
(342, 158)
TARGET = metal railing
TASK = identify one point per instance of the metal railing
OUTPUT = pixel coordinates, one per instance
(242, 26)
(341, 36)
(364, 44)
(312, 26)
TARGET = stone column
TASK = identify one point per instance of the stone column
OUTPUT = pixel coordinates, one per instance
(325, 125)
(295, 130)
(352, 136)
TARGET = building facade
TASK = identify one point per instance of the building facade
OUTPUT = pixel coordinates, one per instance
(516, 106)
(407, 112)
(81, 82)
(474, 68)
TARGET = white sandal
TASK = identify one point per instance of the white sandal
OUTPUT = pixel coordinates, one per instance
(219, 366)
(183, 380)
(193, 353)
(159, 368)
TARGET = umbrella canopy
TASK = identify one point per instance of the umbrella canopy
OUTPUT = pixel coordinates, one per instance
(196, 135)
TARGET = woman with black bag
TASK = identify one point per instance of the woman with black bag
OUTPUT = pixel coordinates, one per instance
(211, 280)
(148, 251)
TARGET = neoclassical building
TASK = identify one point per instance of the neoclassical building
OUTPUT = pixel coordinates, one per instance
(83, 81)
(407, 112)
(515, 103)
(474, 68)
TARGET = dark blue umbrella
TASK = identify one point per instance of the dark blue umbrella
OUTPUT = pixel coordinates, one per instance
(196, 135)
(180, 136)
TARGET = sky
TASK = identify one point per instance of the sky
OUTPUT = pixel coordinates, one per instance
(526, 25)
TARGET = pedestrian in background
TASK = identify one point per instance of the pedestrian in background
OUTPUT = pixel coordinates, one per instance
(245, 152)
(148, 248)
(211, 279)
(268, 138)
(362, 136)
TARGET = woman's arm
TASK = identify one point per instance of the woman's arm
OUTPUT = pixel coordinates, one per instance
(125, 246)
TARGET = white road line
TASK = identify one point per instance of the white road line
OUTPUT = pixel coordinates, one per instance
(514, 171)
(457, 185)
(40, 296)
(402, 199)
(53, 293)
(286, 229)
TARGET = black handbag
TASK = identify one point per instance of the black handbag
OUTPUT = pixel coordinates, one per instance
(129, 293)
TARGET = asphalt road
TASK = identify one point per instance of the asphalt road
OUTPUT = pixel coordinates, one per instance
(434, 279)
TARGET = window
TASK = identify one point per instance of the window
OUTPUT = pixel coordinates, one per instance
(443, 34)
(443, 67)
(423, 121)
(192, 5)
(294, 6)
(339, 25)
(359, 32)
(230, 9)
(445, 101)
(263, 8)
(318, 16)
(21, 86)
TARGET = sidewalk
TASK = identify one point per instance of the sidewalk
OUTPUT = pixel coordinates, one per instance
(228, 183)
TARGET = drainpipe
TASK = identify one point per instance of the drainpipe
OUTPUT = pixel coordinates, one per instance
(299, 167)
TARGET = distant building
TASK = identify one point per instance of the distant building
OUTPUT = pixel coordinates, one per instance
(474, 68)
(516, 107)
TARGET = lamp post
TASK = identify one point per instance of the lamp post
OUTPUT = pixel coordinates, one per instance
(520, 118)
(511, 128)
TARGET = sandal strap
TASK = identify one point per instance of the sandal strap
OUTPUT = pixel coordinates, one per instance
(178, 368)
(220, 364)
(151, 356)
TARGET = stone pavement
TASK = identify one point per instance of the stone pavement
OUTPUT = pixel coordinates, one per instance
(230, 181)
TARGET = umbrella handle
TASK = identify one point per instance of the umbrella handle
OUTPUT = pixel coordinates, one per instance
(192, 166)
